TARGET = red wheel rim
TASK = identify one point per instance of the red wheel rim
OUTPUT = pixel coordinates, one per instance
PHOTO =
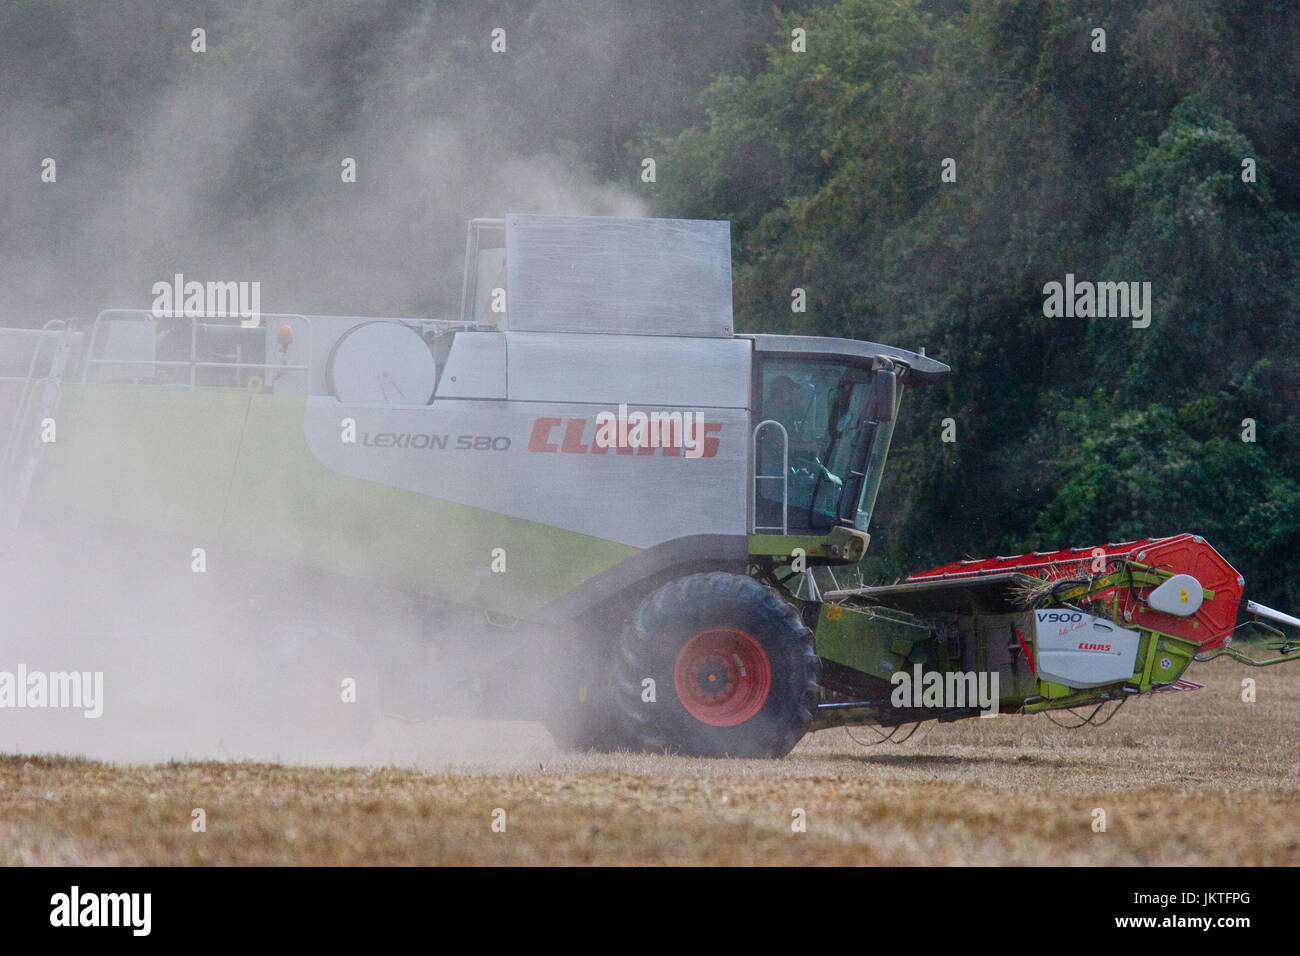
(722, 677)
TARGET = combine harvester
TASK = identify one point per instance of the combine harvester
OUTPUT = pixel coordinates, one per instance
(586, 501)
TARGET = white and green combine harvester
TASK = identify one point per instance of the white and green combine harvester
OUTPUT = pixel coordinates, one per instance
(587, 500)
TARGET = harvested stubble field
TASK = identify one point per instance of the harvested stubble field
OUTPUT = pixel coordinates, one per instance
(1184, 779)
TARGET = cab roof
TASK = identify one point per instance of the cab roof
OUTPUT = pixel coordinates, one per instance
(921, 369)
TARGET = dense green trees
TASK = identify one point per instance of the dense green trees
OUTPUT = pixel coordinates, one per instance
(1123, 165)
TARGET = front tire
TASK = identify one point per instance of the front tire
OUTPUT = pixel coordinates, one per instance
(734, 670)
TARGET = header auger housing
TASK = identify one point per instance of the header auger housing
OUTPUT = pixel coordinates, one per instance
(587, 496)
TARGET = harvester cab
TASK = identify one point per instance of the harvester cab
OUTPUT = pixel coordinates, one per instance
(822, 435)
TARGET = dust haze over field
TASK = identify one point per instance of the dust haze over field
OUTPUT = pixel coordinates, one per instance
(188, 171)
(189, 174)
(198, 666)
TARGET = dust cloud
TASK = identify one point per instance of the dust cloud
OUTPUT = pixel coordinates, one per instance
(228, 165)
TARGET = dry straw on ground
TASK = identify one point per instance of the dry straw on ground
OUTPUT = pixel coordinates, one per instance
(1184, 779)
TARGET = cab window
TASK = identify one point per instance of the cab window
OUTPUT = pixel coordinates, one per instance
(821, 406)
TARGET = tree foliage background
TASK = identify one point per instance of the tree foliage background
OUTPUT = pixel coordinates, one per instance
(1118, 165)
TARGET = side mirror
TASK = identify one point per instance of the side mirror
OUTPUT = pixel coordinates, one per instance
(884, 394)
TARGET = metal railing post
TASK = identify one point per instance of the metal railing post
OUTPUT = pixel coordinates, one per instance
(754, 526)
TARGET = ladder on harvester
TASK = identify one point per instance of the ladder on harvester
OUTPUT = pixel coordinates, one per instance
(33, 398)
(756, 455)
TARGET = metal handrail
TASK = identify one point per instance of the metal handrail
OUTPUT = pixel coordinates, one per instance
(27, 380)
(784, 477)
(30, 380)
(38, 393)
(117, 315)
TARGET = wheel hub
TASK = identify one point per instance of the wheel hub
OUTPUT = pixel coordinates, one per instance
(722, 676)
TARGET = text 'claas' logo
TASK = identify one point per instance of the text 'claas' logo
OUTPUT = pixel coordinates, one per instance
(693, 439)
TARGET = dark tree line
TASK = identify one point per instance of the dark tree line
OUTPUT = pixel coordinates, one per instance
(1124, 165)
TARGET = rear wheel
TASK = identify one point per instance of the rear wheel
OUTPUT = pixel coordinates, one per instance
(716, 665)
